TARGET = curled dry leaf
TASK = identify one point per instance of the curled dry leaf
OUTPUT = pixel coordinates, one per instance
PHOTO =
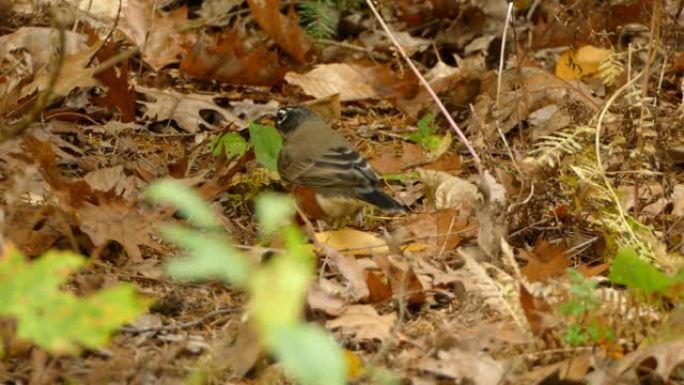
(185, 109)
(363, 323)
(350, 81)
(445, 191)
(491, 215)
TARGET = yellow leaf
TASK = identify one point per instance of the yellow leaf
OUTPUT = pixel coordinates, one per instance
(353, 242)
(584, 61)
(354, 365)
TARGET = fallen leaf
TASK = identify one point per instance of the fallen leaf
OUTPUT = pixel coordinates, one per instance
(379, 291)
(119, 94)
(185, 109)
(478, 369)
(73, 74)
(678, 201)
(583, 61)
(350, 269)
(285, 30)
(353, 242)
(39, 44)
(546, 260)
(158, 36)
(403, 280)
(444, 190)
(320, 299)
(105, 179)
(665, 357)
(363, 323)
(443, 229)
(117, 222)
(230, 58)
(349, 81)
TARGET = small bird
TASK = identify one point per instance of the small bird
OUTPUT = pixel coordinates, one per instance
(315, 157)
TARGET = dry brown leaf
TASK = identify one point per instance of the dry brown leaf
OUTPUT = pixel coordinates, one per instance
(523, 92)
(285, 30)
(350, 269)
(119, 94)
(402, 279)
(664, 358)
(185, 109)
(230, 57)
(319, 298)
(448, 191)
(443, 229)
(73, 74)
(396, 157)
(678, 201)
(479, 369)
(105, 179)
(379, 290)
(159, 37)
(546, 260)
(348, 80)
(117, 222)
(39, 44)
(363, 323)
(353, 242)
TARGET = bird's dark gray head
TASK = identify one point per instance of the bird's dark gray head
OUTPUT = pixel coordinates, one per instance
(289, 118)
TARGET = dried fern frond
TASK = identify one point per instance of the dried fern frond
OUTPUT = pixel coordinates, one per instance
(550, 149)
(610, 69)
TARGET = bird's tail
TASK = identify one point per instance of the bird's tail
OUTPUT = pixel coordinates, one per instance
(381, 200)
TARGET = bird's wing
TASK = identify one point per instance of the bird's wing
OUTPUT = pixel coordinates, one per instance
(337, 167)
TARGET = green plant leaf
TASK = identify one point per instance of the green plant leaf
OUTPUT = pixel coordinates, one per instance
(185, 200)
(210, 256)
(56, 320)
(230, 143)
(273, 211)
(426, 125)
(629, 270)
(310, 354)
(267, 143)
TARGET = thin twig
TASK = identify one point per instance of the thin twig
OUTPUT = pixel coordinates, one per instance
(109, 34)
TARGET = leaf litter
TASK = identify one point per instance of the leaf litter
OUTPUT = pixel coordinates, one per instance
(436, 288)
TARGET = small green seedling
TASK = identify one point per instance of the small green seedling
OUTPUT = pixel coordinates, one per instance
(426, 138)
(231, 144)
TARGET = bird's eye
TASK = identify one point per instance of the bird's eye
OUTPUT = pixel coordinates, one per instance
(281, 115)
